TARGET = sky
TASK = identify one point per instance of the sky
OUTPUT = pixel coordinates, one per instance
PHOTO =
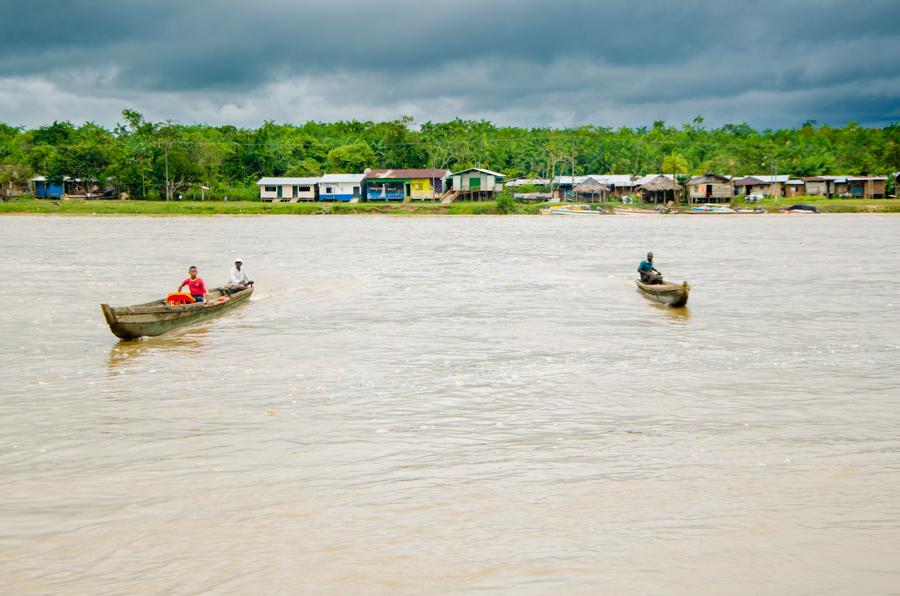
(769, 63)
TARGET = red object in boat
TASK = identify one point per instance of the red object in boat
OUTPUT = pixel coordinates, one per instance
(179, 299)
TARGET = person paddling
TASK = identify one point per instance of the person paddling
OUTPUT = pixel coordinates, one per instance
(238, 275)
(649, 273)
(195, 285)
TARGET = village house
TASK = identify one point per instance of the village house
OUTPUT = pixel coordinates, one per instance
(762, 184)
(794, 188)
(291, 189)
(619, 185)
(866, 187)
(592, 191)
(42, 188)
(475, 184)
(710, 188)
(404, 184)
(341, 187)
(660, 189)
(818, 185)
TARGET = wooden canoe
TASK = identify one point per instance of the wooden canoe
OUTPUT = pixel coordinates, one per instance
(666, 293)
(158, 317)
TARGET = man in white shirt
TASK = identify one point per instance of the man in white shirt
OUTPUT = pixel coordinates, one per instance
(238, 275)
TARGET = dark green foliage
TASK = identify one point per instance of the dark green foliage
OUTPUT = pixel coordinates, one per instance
(506, 204)
(132, 157)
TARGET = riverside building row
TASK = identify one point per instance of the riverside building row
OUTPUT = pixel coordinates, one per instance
(482, 184)
(386, 185)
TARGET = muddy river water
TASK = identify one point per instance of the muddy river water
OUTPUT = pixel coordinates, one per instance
(433, 405)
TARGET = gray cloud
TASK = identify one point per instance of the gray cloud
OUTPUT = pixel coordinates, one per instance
(530, 62)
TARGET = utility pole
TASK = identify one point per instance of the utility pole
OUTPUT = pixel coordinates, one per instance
(774, 178)
(573, 168)
(167, 172)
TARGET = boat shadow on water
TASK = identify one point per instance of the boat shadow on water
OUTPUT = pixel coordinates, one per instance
(674, 313)
(190, 341)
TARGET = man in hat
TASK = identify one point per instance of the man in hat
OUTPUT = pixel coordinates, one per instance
(237, 277)
(649, 274)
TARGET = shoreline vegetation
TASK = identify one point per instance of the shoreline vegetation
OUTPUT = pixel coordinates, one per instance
(146, 160)
(31, 206)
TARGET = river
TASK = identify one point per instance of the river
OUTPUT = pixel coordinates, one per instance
(432, 405)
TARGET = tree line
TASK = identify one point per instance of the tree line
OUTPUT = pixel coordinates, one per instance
(138, 157)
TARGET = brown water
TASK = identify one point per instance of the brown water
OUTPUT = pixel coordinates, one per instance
(454, 405)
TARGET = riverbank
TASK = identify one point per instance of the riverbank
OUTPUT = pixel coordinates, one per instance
(114, 207)
(163, 208)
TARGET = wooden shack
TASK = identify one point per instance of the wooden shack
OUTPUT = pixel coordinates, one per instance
(710, 188)
(474, 184)
(660, 190)
(592, 191)
(818, 186)
(866, 187)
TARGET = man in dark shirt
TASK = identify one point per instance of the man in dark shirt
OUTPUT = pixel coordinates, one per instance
(649, 274)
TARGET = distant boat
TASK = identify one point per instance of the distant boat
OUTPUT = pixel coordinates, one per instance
(571, 210)
(801, 208)
(668, 293)
(619, 211)
(158, 317)
(710, 208)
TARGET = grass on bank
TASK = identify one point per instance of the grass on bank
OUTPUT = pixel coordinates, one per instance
(503, 206)
(142, 207)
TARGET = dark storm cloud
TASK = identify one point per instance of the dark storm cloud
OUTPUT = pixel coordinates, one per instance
(768, 62)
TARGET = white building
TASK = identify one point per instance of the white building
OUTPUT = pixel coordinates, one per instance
(341, 187)
(476, 181)
(301, 189)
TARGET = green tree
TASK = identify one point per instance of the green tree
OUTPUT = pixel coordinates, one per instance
(353, 158)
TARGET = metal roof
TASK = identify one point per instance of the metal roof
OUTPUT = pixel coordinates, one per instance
(482, 170)
(408, 173)
(705, 177)
(620, 180)
(274, 180)
(768, 178)
(528, 182)
(338, 178)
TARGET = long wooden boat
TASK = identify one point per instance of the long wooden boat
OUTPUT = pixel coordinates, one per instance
(666, 293)
(635, 211)
(571, 210)
(158, 317)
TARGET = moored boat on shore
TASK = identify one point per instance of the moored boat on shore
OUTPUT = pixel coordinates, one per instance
(571, 210)
(712, 208)
(623, 211)
(667, 293)
(158, 317)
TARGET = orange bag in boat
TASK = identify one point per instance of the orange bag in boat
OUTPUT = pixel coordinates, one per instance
(179, 299)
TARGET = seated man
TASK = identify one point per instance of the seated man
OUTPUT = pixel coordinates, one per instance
(238, 277)
(195, 285)
(649, 274)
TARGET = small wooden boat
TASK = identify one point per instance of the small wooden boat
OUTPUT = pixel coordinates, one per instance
(666, 293)
(635, 211)
(158, 317)
(571, 210)
(712, 208)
